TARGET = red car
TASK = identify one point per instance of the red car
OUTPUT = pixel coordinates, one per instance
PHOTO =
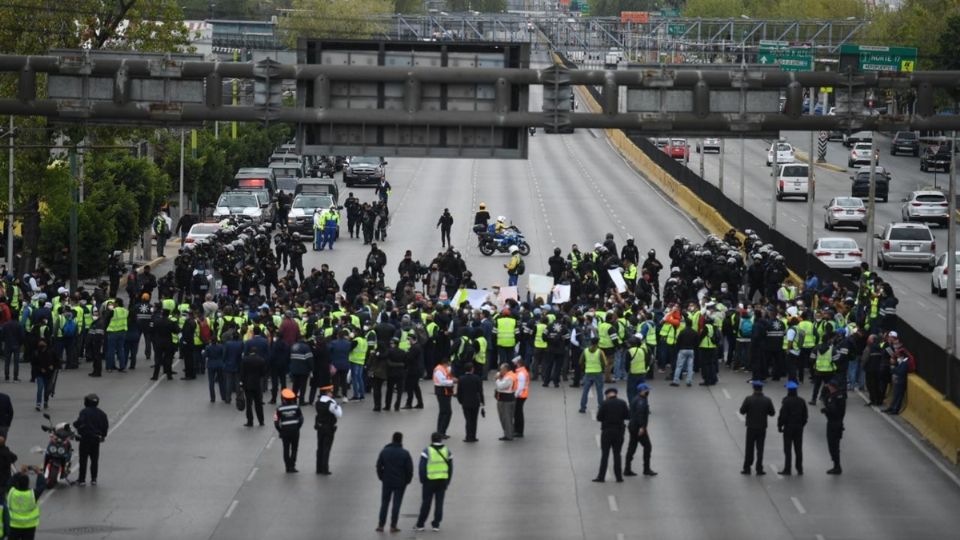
(678, 149)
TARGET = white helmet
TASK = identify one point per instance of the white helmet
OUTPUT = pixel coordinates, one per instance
(501, 218)
(514, 249)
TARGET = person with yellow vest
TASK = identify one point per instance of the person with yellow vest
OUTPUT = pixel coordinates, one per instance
(506, 331)
(806, 340)
(824, 366)
(318, 221)
(116, 335)
(637, 365)
(523, 390)
(358, 359)
(540, 346)
(609, 340)
(436, 470)
(707, 349)
(592, 362)
(22, 506)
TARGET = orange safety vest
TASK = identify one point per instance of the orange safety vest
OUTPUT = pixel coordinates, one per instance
(444, 369)
(522, 392)
(516, 383)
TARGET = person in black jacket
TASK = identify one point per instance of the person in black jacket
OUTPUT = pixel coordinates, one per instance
(395, 471)
(6, 414)
(470, 396)
(253, 369)
(834, 408)
(396, 373)
(92, 427)
(792, 419)
(639, 417)
(445, 224)
(756, 408)
(288, 419)
(164, 332)
(613, 412)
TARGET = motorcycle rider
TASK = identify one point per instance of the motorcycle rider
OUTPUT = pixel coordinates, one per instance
(92, 427)
(513, 267)
(482, 217)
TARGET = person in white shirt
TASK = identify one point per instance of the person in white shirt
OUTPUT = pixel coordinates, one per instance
(506, 385)
(443, 383)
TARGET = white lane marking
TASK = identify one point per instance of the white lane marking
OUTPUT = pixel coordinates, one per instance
(820, 537)
(253, 471)
(921, 304)
(231, 508)
(742, 417)
(725, 393)
(270, 442)
(941, 316)
(612, 501)
(913, 440)
(597, 439)
(799, 507)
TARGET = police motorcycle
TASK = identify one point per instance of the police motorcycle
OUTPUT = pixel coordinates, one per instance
(58, 453)
(491, 242)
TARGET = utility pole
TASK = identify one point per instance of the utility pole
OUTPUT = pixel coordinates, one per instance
(74, 265)
(10, 267)
(951, 348)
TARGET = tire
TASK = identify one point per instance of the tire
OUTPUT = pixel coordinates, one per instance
(779, 196)
(862, 228)
(933, 287)
(916, 153)
(52, 475)
(923, 167)
(806, 198)
(487, 248)
(880, 264)
(826, 225)
(892, 152)
(942, 293)
(885, 199)
(524, 248)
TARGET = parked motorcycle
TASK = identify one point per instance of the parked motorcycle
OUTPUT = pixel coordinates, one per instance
(490, 243)
(58, 453)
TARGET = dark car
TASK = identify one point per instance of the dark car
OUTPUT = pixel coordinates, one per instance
(300, 218)
(364, 170)
(861, 184)
(905, 142)
(936, 157)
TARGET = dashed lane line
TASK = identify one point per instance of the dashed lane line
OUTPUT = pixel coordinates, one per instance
(612, 501)
(797, 505)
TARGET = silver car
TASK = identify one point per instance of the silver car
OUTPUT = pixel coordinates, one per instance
(845, 212)
(709, 144)
(926, 206)
(906, 244)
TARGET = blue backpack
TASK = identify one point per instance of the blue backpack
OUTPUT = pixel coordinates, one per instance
(70, 328)
(746, 327)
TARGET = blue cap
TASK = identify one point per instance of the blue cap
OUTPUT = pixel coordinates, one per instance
(791, 385)
(643, 387)
(757, 384)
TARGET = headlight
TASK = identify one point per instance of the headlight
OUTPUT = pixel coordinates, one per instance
(296, 212)
(220, 211)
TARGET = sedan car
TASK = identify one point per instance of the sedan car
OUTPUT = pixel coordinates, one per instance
(860, 155)
(845, 212)
(709, 144)
(678, 149)
(200, 231)
(850, 139)
(785, 153)
(926, 206)
(938, 278)
(839, 253)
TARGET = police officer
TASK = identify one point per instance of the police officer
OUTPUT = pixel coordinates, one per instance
(613, 412)
(328, 412)
(445, 224)
(288, 419)
(792, 419)
(834, 408)
(639, 417)
(756, 407)
(92, 427)
(436, 470)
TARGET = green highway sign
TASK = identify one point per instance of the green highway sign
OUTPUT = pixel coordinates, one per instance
(782, 54)
(876, 58)
(676, 29)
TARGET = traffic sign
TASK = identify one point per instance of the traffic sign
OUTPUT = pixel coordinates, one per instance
(876, 58)
(676, 29)
(787, 57)
(826, 89)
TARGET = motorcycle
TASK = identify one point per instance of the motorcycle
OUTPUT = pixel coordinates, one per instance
(490, 243)
(58, 453)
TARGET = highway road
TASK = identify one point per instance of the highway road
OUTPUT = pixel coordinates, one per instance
(918, 306)
(176, 466)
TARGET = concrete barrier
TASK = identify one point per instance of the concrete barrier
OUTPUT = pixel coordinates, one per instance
(937, 419)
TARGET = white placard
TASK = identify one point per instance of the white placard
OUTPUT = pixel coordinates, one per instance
(617, 278)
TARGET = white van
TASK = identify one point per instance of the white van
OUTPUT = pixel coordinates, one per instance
(792, 181)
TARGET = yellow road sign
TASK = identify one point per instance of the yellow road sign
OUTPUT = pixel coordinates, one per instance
(826, 89)
(906, 66)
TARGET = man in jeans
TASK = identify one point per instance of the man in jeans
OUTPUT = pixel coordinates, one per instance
(592, 362)
(686, 343)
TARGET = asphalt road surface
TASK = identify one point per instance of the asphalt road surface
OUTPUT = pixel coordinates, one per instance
(922, 309)
(176, 466)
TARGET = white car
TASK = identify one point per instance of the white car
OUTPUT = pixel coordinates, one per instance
(200, 231)
(860, 155)
(839, 252)
(845, 212)
(793, 181)
(938, 278)
(926, 206)
(784, 153)
(242, 205)
(709, 144)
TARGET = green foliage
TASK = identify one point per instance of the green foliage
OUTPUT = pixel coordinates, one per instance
(408, 6)
(333, 19)
(949, 46)
(776, 9)
(483, 6)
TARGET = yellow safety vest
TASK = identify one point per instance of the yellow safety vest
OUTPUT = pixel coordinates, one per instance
(638, 360)
(604, 330)
(668, 333)
(23, 509)
(809, 335)
(359, 353)
(707, 341)
(506, 328)
(538, 341)
(118, 323)
(591, 361)
(404, 344)
(438, 463)
(824, 363)
(481, 356)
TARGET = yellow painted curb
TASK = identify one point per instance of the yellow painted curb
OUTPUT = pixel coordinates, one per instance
(152, 264)
(937, 419)
(802, 156)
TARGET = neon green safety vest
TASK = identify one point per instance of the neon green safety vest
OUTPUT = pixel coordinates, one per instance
(604, 330)
(23, 509)
(404, 342)
(668, 333)
(638, 360)
(809, 334)
(707, 341)
(481, 356)
(650, 338)
(359, 353)
(118, 323)
(506, 328)
(538, 341)
(824, 363)
(438, 463)
(591, 361)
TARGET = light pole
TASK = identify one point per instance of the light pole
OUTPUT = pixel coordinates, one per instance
(12, 134)
(951, 348)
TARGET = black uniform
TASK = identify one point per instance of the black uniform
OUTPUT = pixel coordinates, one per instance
(792, 419)
(834, 408)
(470, 396)
(445, 223)
(326, 425)
(163, 331)
(288, 419)
(756, 407)
(92, 427)
(253, 369)
(639, 416)
(613, 412)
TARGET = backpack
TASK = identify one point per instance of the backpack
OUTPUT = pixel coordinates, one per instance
(746, 327)
(70, 328)
(206, 334)
(911, 361)
(160, 225)
(521, 268)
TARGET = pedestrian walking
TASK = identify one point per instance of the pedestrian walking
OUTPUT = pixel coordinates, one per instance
(790, 422)
(637, 428)
(443, 383)
(44, 366)
(505, 394)
(92, 428)
(328, 414)
(835, 409)
(591, 363)
(288, 419)
(253, 370)
(470, 396)
(613, 412)
(756, 407)
(445, 224)
(395, 471)
(436, 471)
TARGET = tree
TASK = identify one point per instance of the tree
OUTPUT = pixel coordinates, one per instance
(333, 19)
(408, 6)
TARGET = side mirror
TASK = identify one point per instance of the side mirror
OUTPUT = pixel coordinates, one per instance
(384, 163)
(878, 237)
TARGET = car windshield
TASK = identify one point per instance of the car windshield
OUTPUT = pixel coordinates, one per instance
(287, 184)
(678, 142)
(367, 161)
(238, 199)
(204, 228)
(862, 146)
(910, 233)
(795, 170)
(313, 202)
(838, 243)
(286, 171)
(932, 198)
(848, 202)
(784, 148)
(906, 135)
